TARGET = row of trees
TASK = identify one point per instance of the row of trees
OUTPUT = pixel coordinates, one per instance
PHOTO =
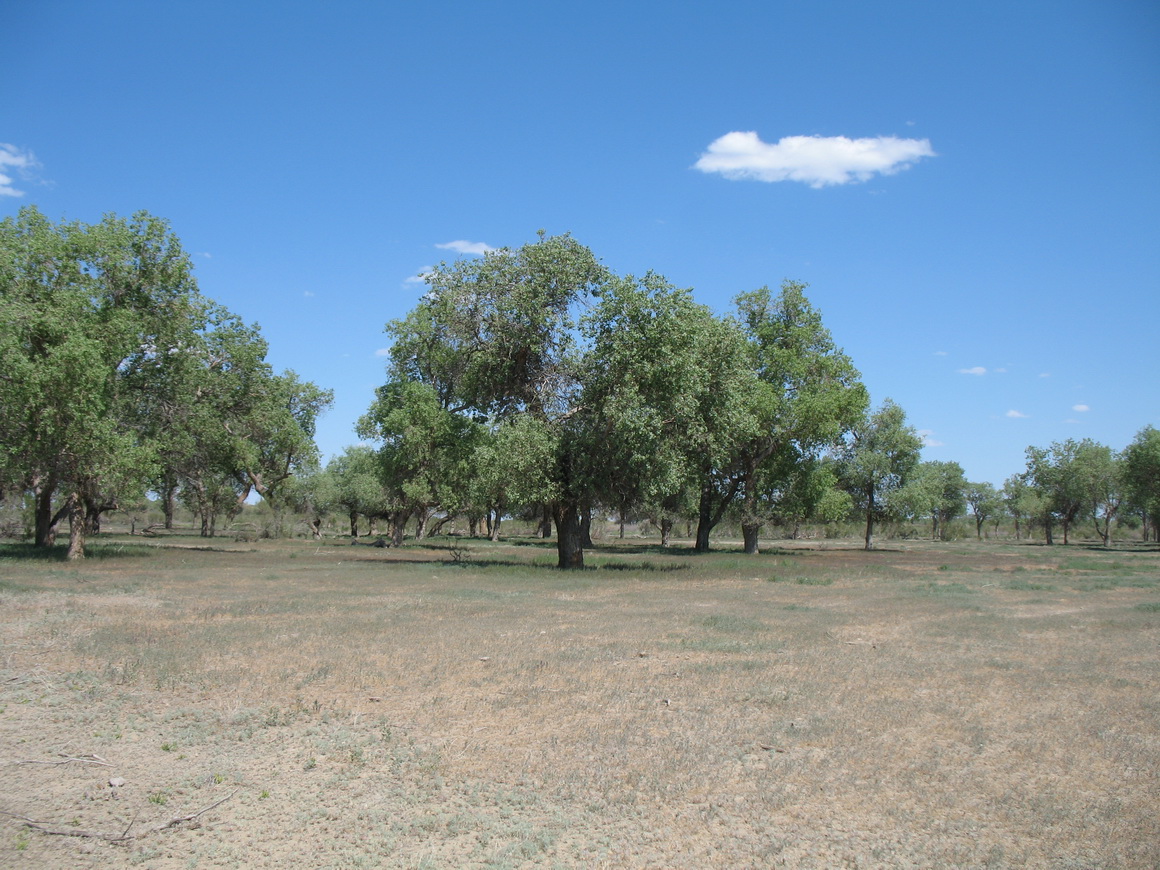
(534, 381)
(117, 377)
(1067, 485)
(1077, 482)
(531, 382)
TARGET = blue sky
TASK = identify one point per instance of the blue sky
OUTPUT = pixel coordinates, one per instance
(972, 191)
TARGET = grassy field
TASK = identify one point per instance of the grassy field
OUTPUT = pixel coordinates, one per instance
(464, 704)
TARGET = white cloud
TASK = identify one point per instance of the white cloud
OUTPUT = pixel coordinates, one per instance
(1045, 374)
(927, 439)
(814, 160)
(420, 275)
(940, 353)
(383, 351)
(13, 158)
(1018, 415)
(1080, 408)
(975, 370)
(462, 246)
(1000, 371)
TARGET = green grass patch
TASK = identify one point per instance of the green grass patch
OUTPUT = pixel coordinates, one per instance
(732, 624)
(1027, 586)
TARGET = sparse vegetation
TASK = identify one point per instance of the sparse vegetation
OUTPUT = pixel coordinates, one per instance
(390, 707)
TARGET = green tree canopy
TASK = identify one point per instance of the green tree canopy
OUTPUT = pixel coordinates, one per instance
(1142, 477)
(876, 463)
(119, 376)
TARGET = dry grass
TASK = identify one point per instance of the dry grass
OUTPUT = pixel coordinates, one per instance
(935, 705)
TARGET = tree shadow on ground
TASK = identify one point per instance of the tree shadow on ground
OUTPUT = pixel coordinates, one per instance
(468, 562)
(59, 552)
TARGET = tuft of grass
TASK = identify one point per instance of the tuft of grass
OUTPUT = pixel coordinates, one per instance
(1028, 586)
(732, 624)
(814, 581)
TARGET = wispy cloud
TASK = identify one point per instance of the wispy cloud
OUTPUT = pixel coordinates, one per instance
(420, 275)
(1080, 408)
(814, 160)
(383, 351)
(928, 439)
(1018, 415)
(974, 370)
(940, 353)
(13, 159)
(462, 246)
(308, 293)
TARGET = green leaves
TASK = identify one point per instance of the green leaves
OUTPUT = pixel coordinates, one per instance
(118, 374)
(877, 461)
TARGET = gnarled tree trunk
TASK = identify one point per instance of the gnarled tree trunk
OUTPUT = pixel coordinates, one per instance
(569, 537)
(749, 533)
(77, 525)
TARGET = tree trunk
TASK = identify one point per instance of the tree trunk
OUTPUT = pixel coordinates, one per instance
(704, 518)
(77, 523)
(354, 524)
(316, 528)
(666, 530)
(45, 523)
(870, 520)
(750, 524)
(399, 527)
(422, 516)
(493, 525)
(749, 532)
(168, 497)
(569, 537)
(586, 528)
(473, 526)
(546, 523)
(710, 514)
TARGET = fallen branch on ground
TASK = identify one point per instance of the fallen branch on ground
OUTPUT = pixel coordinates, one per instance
(68, 759)
(124, 836)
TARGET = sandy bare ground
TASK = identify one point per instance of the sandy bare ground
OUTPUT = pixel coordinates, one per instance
(275, 705)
